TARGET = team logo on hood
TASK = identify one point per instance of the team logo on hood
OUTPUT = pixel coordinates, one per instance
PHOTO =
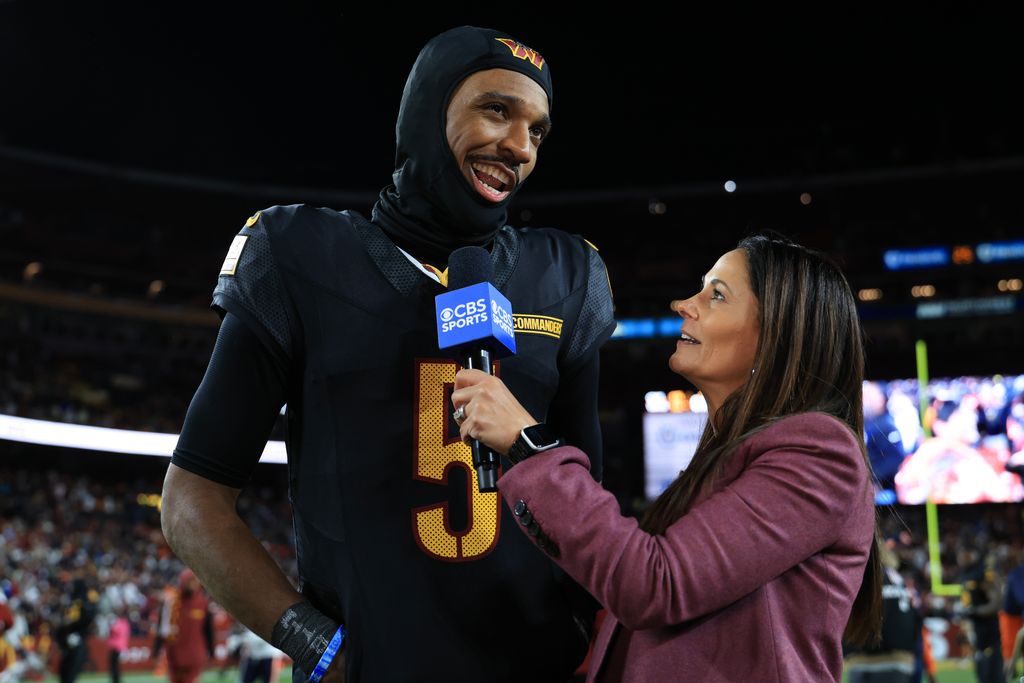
(520, 51)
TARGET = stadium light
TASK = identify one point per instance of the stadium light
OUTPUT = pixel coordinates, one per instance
(104, 439)
(32, 270)
(872, 294)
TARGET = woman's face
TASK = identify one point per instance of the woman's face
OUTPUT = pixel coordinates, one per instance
(719, 334)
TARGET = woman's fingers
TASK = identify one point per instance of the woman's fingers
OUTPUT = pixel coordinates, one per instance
(489, 411)
(468, 378)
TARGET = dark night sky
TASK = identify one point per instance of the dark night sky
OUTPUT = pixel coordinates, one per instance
(306, 95)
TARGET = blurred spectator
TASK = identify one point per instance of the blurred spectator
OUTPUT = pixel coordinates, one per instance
(906, 417)
(6, 615)
(74, 629)
(8, 656)
(982, 598)
(117, 642)
(1015, 434)
(259, 660)
(948, 468)
(892, 659)
(1013, 606)
(8, 659)
(186, 629)
(882, 438)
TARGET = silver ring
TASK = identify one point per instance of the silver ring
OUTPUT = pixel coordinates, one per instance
(459, 415)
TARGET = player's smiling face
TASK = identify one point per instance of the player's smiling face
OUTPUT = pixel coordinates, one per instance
(495, 123)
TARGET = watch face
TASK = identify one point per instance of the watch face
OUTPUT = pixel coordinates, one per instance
(539, 436)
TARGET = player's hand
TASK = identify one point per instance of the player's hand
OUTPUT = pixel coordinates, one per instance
(336, 671)
(492, 414)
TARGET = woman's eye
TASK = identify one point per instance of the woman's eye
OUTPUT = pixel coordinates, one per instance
(716, 294)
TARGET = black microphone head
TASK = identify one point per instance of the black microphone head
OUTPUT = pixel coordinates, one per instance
(469, 266)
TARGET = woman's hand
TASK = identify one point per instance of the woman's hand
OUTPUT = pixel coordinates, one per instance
(492, 415)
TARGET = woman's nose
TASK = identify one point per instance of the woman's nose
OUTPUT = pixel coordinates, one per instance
(685, 308)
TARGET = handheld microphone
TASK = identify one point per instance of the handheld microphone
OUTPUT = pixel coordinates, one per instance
(475, 320)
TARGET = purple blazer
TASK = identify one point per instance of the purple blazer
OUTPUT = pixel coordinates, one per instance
(753, 585)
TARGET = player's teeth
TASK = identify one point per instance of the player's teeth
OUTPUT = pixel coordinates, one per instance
(493, 171)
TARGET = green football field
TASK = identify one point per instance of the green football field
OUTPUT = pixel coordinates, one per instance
(954, 671)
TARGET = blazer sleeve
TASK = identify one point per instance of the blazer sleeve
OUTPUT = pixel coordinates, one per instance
(790, 501)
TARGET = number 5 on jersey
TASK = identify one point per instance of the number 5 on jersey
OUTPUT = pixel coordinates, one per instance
(434, 452)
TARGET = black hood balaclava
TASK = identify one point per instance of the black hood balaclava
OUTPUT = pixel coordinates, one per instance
(430, 210)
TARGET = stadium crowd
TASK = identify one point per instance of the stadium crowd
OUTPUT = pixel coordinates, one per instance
(58, 530)
(57, 527)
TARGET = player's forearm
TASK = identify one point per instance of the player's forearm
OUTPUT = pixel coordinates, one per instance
(204, 530)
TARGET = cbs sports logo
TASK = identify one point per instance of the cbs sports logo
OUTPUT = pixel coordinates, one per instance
(464, 315)
(475, 313)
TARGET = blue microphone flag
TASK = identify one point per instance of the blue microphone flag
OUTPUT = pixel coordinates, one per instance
(475, 316)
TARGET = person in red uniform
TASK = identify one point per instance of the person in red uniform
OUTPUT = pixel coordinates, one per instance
(186, 628)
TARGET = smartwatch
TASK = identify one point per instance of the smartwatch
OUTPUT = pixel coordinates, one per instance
(532, 440)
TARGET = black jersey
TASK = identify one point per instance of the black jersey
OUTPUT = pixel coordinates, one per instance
(433, 579)
(901, 620)
(978, 592)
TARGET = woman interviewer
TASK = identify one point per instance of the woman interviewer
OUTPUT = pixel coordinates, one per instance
(761, 556)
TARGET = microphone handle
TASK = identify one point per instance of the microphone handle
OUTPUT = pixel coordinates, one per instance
(485, 461)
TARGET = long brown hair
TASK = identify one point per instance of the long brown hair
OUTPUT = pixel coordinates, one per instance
(810, 358)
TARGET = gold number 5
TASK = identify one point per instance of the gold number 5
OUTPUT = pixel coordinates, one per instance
(434, 452)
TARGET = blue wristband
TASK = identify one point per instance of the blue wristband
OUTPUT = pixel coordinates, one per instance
(328, 656)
